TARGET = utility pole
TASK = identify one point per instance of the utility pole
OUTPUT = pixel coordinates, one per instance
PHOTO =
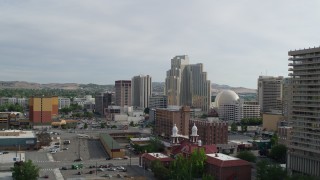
(79, 148)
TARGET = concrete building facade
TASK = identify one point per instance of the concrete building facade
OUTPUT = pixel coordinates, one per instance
(64, 102)
(141, 90)
(123, 93)
(159, 101)
(304, 148)
(270, 93)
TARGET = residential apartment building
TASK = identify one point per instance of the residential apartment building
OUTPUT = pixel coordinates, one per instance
(211, 131)
(270, 93)
(304, 149)
(123, 93)
(159, 101)
(187, 85)
(141, 89)
(43, 109)
(166, 118)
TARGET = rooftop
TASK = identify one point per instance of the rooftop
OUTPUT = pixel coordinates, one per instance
(158, 155)
(222, 157)
(140, 139)
(16, 134)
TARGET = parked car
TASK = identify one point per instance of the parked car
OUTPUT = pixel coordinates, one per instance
(5, 152)
(77, 160)
(64, 168)
(65, 148)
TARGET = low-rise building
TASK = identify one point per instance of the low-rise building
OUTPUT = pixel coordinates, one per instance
(147, 158)
(224, 167)
(17, 140)
(111, 146)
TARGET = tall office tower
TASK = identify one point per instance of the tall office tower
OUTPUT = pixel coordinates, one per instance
(304, 149)
(270, 93)
(141, 90)
(187, 84)
(123, 93)
(102, 101)
(43, 109)
(173, 79)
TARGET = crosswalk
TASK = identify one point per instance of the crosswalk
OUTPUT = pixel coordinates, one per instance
(47, 169)
(46, 161)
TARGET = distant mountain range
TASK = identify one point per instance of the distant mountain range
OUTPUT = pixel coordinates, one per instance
(157, 86)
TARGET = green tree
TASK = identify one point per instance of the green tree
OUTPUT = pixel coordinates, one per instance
(131, 124)
(146, 110)
(180, 169)
(234, 127)
(274, 139)
(159, 171)
(197, 163)
(102, 125)
(25, 171)
(247, 156)
(279, 153)
(85, 126)
(207, 177)
(266, 171)
(301, 177)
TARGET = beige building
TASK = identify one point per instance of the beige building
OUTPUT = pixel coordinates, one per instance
(270, 121)
(187, 85)
(141, 90)
(270, 93)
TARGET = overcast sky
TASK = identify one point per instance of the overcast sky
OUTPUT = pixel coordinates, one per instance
(91, 41)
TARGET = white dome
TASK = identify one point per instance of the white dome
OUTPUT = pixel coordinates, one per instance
(226, 97)
(174, 130)
(194, 130)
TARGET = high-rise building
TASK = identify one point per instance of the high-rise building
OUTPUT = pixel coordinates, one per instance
(187, 84)
(287, 97)
(141, 90)
(43, 109)
(102, 101)
(123, 93)
(270, 93)
(304, 148)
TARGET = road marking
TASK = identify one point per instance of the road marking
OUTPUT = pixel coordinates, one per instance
(50, 157)
(58, 174)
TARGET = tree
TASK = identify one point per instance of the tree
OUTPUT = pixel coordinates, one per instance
(247, 156)
(180, 169)
(301, 177)
(25, 171)
(102, 125)
(197, 163)
(159, 171)
(85, 126)
(146, 110)
(234, 127)
(279, 153)
(266, 171)
(274, 139)
(207, 177)
(131, 123)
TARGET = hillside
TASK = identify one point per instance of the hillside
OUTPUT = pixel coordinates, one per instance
(157, 87)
